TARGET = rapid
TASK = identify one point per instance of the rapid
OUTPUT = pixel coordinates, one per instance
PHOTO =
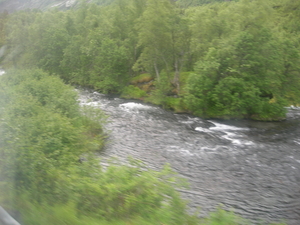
(249, 166)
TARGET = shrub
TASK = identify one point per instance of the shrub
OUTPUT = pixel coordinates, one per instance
(145, 77)
(133, 92)
(41, 142)
(43, 131)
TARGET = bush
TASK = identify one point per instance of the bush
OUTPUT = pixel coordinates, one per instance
(222, 217)
(43, 131)
(113, 195)
(133, 92)
(41, 143)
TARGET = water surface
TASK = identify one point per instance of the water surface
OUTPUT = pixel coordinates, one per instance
(252, 167)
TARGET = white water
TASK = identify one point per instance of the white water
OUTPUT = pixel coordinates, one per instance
(132, 106)
(234, 134)
(252, 167)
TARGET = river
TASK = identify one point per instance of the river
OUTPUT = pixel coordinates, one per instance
(249, 166)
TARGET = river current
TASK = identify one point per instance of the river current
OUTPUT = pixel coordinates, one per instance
(250, 167)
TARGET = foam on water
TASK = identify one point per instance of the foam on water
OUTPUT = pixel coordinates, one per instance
(232, 133)
(293, 107)
(132, 106)
(224, 127)
(183, 152)
(95, 104)
(201, 129)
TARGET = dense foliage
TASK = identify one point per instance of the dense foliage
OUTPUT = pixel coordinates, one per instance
(47, 162)
(230, 59)
(42, 131)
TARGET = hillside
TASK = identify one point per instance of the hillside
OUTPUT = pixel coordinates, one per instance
(15, 5)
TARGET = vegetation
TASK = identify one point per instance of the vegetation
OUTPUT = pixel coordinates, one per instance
(47, 162)
(43, 132)
(242, 57)
(49, 172)
(226, 59)
(133, 92)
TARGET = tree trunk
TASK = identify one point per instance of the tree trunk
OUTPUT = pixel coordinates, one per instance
(156, 71)
(176, 79)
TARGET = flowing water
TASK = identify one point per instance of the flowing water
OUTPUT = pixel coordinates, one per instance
(251, 167)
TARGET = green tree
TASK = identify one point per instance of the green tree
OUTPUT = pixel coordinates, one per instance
(164, 40)
(3, 21)
(42, 131)
(110, 68)
(245, 80)
(17, 38)
(155, 37)
(97, 56)
(48, 38)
